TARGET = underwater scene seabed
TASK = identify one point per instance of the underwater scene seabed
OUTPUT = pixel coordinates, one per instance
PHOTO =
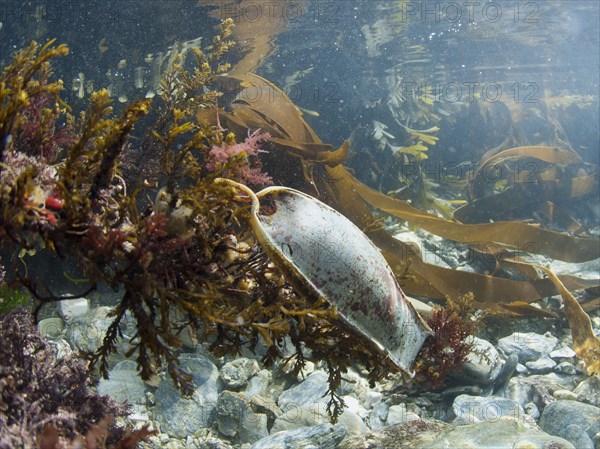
(299, 224)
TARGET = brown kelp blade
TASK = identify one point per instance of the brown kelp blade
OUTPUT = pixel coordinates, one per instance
(256, 27)
(525, 197)
(315, 152)
(263, 97)
(437, 282)
(530, 171)
(585, 343)
(509, 234)
(536, 174)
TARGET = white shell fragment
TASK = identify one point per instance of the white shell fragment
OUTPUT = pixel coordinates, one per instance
(325, 255)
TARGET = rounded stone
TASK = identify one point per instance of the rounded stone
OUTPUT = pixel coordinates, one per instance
(473, 409)
(71, 309)
(572, 420)
(311, 391)
(528, 346)
(322, 436)
(51, 327)
(483, 364)
(542, 365)
(124, 384)
(397, 414)
(565, 368)
(237, 420)
(86, 333)
(182, 415)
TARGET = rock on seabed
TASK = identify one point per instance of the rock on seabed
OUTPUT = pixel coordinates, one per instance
(181, 416)
(528, 346)
(503, 433)
(323, 436)
(572, 420)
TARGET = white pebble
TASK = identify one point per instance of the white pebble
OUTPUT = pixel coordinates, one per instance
(565, 394)
(73, 308)
(372, 398)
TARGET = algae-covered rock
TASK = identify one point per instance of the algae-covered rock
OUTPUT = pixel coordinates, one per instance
(235, 374)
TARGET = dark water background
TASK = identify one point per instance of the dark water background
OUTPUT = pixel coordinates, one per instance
(515, 55)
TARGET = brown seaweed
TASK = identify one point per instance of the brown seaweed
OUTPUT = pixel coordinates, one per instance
(585, 342)
(540, 174)
(508, 234)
